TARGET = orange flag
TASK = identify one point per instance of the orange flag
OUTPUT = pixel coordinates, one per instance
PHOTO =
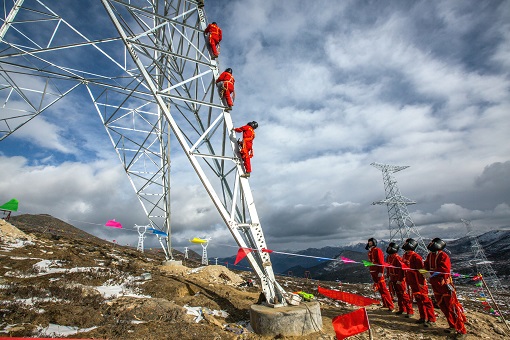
(350, 324)
(241, 254)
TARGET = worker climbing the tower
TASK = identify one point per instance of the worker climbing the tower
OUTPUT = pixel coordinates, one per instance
(397, 280)
(213, 31)
(418, 284)
(375, 255)
(439, 266)
(225, 83)
(248, 131)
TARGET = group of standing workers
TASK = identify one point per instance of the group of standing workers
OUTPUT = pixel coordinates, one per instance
(225, 84)
(411, 273)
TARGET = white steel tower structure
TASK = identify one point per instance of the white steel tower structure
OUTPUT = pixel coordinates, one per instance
(400, 223)
(142, 229)
(146, 70)
(483, 265)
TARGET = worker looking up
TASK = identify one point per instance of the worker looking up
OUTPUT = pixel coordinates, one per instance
(438, 262)
(375, 255)
(418, 284)
(225, 84)
(215, 35)
(246, 145)
(397, 280)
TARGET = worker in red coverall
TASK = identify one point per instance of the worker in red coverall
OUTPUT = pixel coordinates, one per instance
(439, 267)
(225, 83)
(247, 145)
(215, 36)
(418, 284)
(397, 280)
(376, 256)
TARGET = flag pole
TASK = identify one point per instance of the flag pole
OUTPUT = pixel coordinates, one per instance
(494, 301)
(369, 328)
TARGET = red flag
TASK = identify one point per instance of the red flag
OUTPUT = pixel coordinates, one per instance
(265, 250)
(351, 298)
(350, 324)
(241, 254)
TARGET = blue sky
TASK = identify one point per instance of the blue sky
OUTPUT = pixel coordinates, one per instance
(334, 87)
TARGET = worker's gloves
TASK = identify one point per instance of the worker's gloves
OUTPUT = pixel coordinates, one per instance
(380, 275)
(398, 282)
(426, 275)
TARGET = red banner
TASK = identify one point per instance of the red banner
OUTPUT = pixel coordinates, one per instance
(353, 299)
(350, 324)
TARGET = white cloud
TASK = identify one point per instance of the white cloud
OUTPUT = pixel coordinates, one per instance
(334, 88)
(44, 134)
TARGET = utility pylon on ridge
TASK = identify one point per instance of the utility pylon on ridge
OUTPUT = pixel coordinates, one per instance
(483, 265)
(205, 258)
(146, 70)
(401, 224)
(142, 229)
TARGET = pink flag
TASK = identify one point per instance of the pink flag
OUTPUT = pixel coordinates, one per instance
(346, 260)
(241, 254)
(113, 224)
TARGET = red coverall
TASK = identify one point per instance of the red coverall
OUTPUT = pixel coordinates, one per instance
(375, 255)
(397, 280)
(215, 36)
(418, 285)
(444, 291)
(227, 87)
(246, 149)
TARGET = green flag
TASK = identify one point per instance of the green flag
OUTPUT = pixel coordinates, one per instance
(367, 263)
(12, 205)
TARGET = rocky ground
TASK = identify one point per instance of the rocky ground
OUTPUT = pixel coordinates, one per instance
(59, 281)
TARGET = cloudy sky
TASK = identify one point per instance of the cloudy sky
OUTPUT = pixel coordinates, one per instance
(334, 86)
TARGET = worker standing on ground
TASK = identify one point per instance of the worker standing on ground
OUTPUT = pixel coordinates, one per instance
(375, 255)
(397, 280)
(215, 35)
(439, 266)
(246, 145)
(225, 83)
(418, 283)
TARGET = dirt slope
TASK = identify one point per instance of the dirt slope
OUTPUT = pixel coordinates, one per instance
(71, 281)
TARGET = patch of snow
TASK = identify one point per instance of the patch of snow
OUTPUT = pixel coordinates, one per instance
(56, 330)
(196, 270)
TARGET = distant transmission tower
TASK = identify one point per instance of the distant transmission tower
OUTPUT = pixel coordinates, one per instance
(205, 260)
(483, 265)
(401, 225)
(142, 229)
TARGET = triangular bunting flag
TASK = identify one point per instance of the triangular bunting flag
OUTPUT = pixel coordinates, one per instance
(241, 254)
(113, 224)
(346, 260)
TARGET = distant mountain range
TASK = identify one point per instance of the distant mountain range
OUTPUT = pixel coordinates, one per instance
(495, 244)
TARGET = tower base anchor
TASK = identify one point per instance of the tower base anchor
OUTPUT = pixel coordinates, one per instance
(288, 321)
(172, 263)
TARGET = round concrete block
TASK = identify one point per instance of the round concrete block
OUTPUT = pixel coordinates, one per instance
(172, 263)
(290, 320)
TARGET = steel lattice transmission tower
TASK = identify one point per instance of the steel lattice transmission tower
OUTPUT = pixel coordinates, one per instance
(401, 224)
(483, 265)
(146, 70)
